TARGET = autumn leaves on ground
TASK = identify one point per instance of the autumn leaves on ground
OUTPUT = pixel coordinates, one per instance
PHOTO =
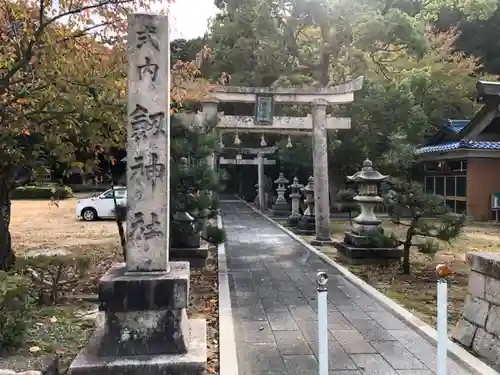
(417, 291)
(64, 329)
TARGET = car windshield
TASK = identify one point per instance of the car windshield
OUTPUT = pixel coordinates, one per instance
(119, 193)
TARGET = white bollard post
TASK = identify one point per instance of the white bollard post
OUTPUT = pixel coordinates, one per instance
(442, 271)
(322, 279)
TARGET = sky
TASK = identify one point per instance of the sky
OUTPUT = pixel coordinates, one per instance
(190, 17)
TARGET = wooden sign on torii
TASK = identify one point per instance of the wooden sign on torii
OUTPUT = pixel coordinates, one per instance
(317, 123)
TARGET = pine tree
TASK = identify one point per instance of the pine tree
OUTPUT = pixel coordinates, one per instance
(193, 184)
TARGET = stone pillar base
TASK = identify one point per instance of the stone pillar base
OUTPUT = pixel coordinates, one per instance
(306, 225)
(317, 242)
(281, 209)
(196, 256)
(146, 329)
(293, 220)
(193, 362)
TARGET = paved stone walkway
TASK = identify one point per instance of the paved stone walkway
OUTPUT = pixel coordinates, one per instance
(273, 297)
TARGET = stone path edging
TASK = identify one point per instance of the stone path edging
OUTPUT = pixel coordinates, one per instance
(228, 361)
(460, 355)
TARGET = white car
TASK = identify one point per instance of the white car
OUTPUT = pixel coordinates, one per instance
(102, 205)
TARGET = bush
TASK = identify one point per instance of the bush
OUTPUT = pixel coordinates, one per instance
(14, 309)
(215, 235)
(52, 276)
(382, 241)
(45, 191)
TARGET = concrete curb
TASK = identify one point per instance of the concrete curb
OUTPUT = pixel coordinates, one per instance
(458, 354)
(228, 360)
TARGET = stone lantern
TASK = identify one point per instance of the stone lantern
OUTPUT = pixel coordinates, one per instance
(281, 207)
(307, 222)
(368, 181)
(295, 197)
(359, 246)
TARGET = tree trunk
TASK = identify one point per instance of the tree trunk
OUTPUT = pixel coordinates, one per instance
(406, 250)
(406, 259)
(7, 257)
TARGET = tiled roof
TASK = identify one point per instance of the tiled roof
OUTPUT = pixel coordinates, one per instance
(456, 125)
(467, 145)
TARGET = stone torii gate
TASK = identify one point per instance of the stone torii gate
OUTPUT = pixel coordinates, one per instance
(260, 161)
(317, 123)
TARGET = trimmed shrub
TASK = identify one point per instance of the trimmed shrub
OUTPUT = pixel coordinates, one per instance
(15, 303)
(42, 192)
(215, 235)
(53, 275)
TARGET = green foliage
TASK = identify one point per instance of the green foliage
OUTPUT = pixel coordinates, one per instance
(192, 179)
(215, 235)
(53, 276)
(429, 217)
(42, 192)
(379, 239)
(15, 306)
(345, 199)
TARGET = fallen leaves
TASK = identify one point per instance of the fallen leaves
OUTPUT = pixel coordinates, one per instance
(205, 304)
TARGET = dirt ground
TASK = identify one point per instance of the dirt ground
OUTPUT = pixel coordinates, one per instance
(38, 224)
(417, 292)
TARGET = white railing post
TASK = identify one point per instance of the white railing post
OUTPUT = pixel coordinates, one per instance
(322, 279)
(443, 271)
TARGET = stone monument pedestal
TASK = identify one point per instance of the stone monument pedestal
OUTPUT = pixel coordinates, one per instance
(196, 256)
(317, 242)
(306, 225)
(281, 209)
(146, 328)
(368, 255)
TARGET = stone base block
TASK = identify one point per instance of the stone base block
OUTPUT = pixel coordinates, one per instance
(317, 242)
(196, 256)
(356, 255)
(47, 364)
(464, 332)
(306, 225)
(279, 213)
(121, 291)
(194, 362)
(304, 232)
(145, 332)
(293, 221)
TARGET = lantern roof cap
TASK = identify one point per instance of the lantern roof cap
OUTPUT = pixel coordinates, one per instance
(310, 184)
(281, 179)
(367, 174)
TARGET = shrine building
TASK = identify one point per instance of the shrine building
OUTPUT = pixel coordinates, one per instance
(462, 160)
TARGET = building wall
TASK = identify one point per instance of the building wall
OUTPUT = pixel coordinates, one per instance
(483, 179)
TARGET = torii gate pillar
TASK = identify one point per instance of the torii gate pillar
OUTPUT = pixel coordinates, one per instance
(209, 113)
(320, 165)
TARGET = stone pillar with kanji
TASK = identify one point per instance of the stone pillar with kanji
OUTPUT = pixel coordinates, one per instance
(144, 300)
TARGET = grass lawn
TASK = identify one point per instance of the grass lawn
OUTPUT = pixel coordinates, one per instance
(417, 292)
(64, 329)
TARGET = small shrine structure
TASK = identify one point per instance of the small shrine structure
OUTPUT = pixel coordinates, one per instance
(461, 161)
